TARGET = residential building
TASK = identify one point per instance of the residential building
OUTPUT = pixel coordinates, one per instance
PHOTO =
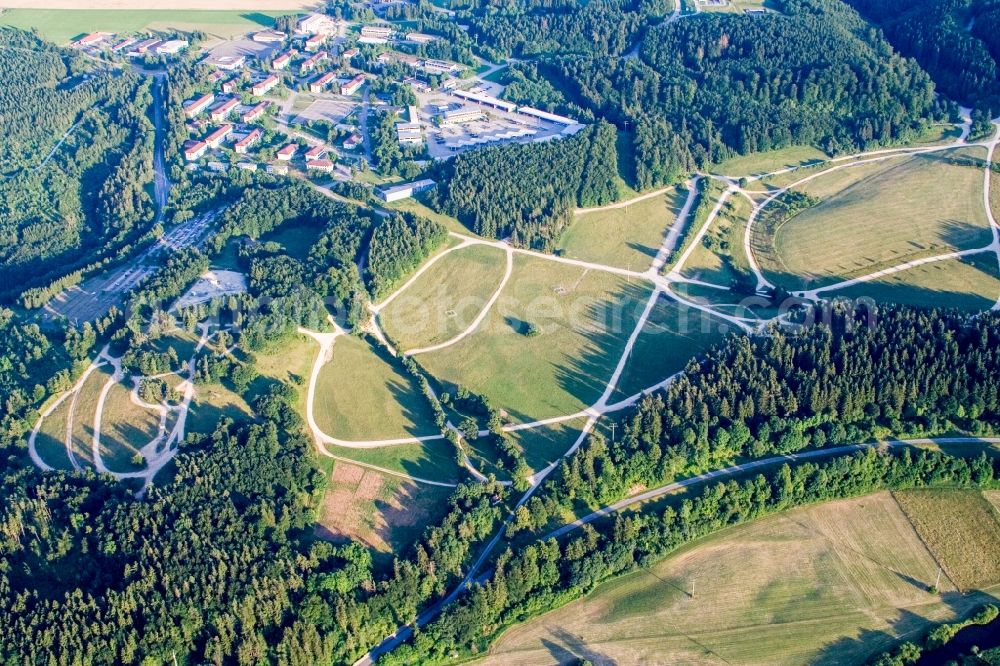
(262, 87)
(172, 47)
(196, 106)
(441, 66)
(92, 39)
(377, 31)
(215, 139)
(352, 86)
(353, 141)
(278, 169)
(288, 152)
(145, 45)
(407, 133)
(229, 63)
(318, 24)
(222, 111)
(217, 166)
(320, 84)
(315, 153)
(315, 43)
(281, 62)
(254, 113)
(124, 44)
(420, 38)
(246, 166)
(463, 115)
(269, 37)
(309, 64)
(404, 190)
(243, 145)
(194, 149)
(326, 166)
(229, 87)
(350, 53)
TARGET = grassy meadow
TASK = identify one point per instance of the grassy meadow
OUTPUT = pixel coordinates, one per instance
(829, 584)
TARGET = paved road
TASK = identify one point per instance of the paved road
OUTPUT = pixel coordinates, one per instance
(736, 469)
(161, 183)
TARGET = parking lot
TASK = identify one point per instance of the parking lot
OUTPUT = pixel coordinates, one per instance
(331, 110)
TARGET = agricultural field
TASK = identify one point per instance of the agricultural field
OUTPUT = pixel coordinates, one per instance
(583, 319)
(627, 237)
(828, 584)
(962, 528)
(383, 512)
(911, 208)
(64, 25)
(360, 395)
(446, 298)
(968, 283)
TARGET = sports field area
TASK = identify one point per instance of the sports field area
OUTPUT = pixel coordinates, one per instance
(875, 216)
(66, 24)
(827, 584)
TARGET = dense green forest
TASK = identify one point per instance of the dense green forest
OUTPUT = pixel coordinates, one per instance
(704, 89)
(956, 41)
(77, 157)
(547, 573)
(528, 191)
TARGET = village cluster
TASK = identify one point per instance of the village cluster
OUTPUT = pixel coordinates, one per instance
(299, 102)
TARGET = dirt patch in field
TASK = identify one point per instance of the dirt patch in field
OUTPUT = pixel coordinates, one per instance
(384, 512)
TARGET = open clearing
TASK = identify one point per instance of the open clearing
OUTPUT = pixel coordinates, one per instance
(627, 237)
(65, 24)
(433, 460)
(51, 440)
(772, 160)
(360, 395)
(827, 584)
(125, 428)
(383, 512)
(83, 407)
(961, 527)
(673, 334)
(544, 445)
(445, 299)
(211, 403)
(968, 283)
(907, 209)
(719, 258)
(584, 318)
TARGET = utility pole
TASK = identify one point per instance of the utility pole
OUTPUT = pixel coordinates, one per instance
(613, 426)
(938, 579)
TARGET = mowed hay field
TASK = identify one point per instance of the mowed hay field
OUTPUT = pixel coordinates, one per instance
(446, 298)
(916, 207)
(381, 511)
(64, 25)
(769, 161)
(627, 237)
(833, 583)
(125, 428)
(673, 334)
(50, 442)
(585, 318)
(362, 396)
(968, 283)
(961, 527)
